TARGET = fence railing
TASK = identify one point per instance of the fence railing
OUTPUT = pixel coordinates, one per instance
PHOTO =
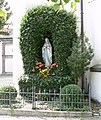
(45, 100)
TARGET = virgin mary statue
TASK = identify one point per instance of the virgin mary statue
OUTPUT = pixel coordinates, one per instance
(47, 53)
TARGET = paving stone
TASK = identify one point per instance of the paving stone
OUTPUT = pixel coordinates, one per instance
(48, 118)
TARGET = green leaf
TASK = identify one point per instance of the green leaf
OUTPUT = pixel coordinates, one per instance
(77, 0)
(74, 8)
(66, 1)
(2, 12)
(61, 3)
(73, 4)
(56, 7)
(54, 0)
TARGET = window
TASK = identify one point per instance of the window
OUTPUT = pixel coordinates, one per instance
(7, 56)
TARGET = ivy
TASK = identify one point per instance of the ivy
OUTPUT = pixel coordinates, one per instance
(58, 4)
(41, 22)
(60, 27)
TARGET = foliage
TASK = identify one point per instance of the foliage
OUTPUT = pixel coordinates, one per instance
(58, 4)
(5, 93)
(2, 22)
(39, 23)
(72, 95)
(5, 12)
(72, 58)
(78, 62)
(27, 83)
(2, 12)
(45, 84)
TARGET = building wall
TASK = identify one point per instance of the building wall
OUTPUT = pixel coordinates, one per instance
(95, 78)
(6, 60)
(92, 20)
(6, 80)
(92, 27)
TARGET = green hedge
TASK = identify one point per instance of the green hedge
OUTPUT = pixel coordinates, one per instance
(39, 23)
(72, 96)
(26, 83)
(7, 92)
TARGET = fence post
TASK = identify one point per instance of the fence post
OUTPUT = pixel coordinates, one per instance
(33, 98)
(9, 98)
(60, 98)
(90, 97)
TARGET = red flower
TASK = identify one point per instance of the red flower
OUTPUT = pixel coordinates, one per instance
(51, 67)
(33, 70)
(38, 63)
(54, 64)
(36, 66)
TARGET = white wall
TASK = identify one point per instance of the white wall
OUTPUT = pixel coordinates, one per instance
(0, 57)
(19, 11)
(96, 85)
(92, 19)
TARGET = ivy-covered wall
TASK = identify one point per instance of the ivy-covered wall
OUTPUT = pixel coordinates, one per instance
(60, 27)
(39, 23)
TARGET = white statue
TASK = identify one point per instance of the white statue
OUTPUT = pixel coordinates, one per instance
(47, 53)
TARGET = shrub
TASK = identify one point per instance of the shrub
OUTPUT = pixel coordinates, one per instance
(80, 58)
(72, 96)
(39, 23)
(6, 93)
(26, 83)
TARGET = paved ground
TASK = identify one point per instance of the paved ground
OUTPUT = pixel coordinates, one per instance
(47, 118)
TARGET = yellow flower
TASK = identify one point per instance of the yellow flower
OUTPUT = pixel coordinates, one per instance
(44, 72)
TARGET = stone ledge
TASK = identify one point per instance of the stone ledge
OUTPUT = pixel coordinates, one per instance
(96, 68)
(44, 113)
(6, 75)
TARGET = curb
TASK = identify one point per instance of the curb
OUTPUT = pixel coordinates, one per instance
(43, 113)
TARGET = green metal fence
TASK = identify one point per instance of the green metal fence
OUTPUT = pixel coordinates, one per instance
(46, 100)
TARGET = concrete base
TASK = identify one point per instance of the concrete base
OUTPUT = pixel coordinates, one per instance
(44, 113)
(96, 86)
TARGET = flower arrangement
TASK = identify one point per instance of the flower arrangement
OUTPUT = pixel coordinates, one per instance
(43, 71)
